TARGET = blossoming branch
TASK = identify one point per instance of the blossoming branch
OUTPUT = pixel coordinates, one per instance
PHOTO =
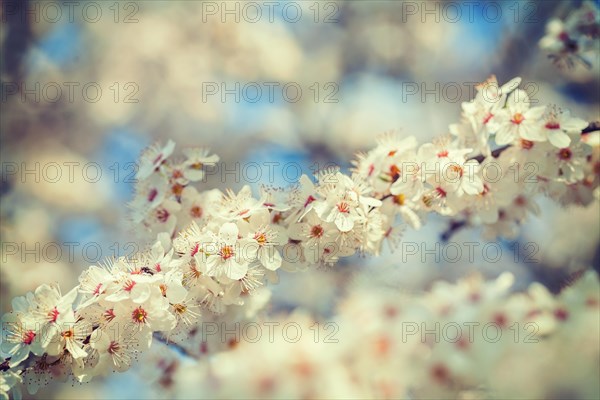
(215, 251)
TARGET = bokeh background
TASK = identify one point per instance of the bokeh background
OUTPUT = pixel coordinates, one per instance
(357, 63)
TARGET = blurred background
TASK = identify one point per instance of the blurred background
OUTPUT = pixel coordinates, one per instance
(87, 86)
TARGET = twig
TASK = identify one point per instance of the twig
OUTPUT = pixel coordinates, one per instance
(496, 153)
(177, 347)
(592, 127)
(457, 225)
(452, 229)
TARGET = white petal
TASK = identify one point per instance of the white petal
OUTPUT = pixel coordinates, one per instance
(163, 321)
(235, 270)
(573, 125)
(535, 113)
(559, 139)
(504, 135)
(532, 132)
(176, 293)
(140, 293)
(229, 233)
(344, 223)
(472, 185)
(270, 258)
(75, 350)
(193, 175)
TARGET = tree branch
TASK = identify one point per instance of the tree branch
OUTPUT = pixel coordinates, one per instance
(454, 227)
(457, 225)
(177, 347)
(592, 127)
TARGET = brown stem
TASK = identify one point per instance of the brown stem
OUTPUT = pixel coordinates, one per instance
(177, 347)
(452, 229)
(496, 153)
(457, 225)
(592, 127)
(387, 196)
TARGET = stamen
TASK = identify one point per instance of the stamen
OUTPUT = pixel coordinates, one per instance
(53, 315)
(152, 195)
(343, 207)
(565, 154)
(518, 118)
(196, 212)
(139, 315)
(162, 215)
(317, 231)
(261, 238)
(226, 252)
(28, 337)
(399, 199)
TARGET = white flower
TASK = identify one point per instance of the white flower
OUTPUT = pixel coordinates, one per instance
(225, 255)
(68, 332)
(136, 287)
(21, 336)
(441, 150)
(518, 120)
(341, 198)
(313, 231)
(49, 304)
(558, 125)
(157, 260)
(115, 350)
(185, 311)
(172, 287)
(151, 316)
(489, 100)
(259, 231)
(302, 198)
(462, 178)
(571, 161)
(275, 198)
(197, 158)
(94, 282)
(149, 194)
(468, 137)
(405, 207)
(164, 217)
(409, 180)
(152, 159)
(234, 207)
(496, 194)
(197, 206)
(554, 40)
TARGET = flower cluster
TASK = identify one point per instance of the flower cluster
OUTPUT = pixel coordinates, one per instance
(570, 40)
(458, 340)
(459, 175)
(216, 250)
(164, 202)
(100, 325)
